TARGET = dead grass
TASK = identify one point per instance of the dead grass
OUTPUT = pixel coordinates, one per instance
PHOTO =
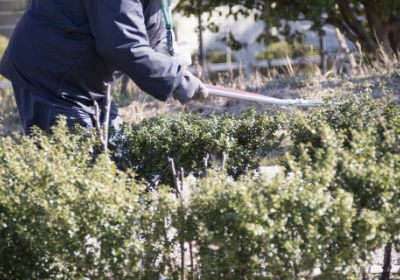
(379, 80)
(9, 117)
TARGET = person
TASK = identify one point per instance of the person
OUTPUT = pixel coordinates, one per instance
(63, 54)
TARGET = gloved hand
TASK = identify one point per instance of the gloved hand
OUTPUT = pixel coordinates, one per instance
(191, 88)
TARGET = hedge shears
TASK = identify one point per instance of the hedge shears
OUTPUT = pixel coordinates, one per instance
(249, 96)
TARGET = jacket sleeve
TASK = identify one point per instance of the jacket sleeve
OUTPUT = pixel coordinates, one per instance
(119, 29)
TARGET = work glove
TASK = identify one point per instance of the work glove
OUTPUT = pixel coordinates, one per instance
(191, 88)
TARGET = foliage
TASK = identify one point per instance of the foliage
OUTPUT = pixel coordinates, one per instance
(63, 213)
(367, 158)
(261, 230)
(358, 113)
(283, 49)
(216, 56)
(187, 139)
(358, 20)
(337, 205)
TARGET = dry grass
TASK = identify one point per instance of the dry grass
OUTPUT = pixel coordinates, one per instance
(9, 118)
(378, 78)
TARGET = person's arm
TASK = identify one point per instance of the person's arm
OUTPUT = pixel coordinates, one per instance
(118, 27)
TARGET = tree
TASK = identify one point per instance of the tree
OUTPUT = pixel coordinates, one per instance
(372, 23)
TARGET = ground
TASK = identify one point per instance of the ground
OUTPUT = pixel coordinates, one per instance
(379, 82)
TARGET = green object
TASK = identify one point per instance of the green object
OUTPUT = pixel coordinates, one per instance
(167, 14)
(187, 139)
(66, 214)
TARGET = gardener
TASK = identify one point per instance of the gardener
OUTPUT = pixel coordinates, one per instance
(63, 53)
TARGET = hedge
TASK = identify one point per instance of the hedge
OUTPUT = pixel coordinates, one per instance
(65, 214)
(245, 140)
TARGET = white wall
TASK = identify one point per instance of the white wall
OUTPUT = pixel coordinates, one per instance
(245, 30)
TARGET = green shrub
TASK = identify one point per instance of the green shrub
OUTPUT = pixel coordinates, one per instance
(282, 229)
(187, 139)
(216, 56)
(263, 230)
(364, 161)
(64, 213)
(283, 49)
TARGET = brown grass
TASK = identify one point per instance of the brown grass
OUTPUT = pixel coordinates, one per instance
(379, 77)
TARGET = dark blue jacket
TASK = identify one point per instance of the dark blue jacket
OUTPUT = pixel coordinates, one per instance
(71, 48)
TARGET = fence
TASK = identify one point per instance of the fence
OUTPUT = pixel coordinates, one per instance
(10, 13)
(245, 29)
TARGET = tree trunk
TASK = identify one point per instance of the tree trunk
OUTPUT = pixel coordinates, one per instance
(375, 36)
(386, 262)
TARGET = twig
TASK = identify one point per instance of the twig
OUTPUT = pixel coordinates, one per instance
(107, 110)
(205, 164)
(103, 129)
(182, 177)
(182, 260)
(223, 161)
(170, 263)
(96, 117)
(345, 48)
(386, 262)
(289, 66)
(191, 261)
(183, 268)
(175, 177)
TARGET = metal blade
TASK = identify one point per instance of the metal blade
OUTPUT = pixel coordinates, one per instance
(249, 96)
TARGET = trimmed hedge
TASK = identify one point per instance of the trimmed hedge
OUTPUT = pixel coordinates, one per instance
(187, 139)
(65, 214)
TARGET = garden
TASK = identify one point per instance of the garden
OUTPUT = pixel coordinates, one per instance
(185, 192)
(66, 213)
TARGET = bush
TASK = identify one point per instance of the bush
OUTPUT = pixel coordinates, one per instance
(216, 56)
(64, 213)
(263, 230)
(282, 49)
(339, 204)
(364, 162)
(187, 139)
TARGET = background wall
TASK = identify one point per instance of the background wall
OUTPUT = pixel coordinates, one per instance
(10, 13)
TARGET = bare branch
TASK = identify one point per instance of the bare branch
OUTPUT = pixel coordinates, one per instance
(191, 261)
(166, 241)
(205, 164)
(332, 20)
(182, 177)
(386, 262)
(96, 117)
(357, 27)
(343, 46)
(175, 176)
(102, 130)
(223, 161)
(182, 260)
